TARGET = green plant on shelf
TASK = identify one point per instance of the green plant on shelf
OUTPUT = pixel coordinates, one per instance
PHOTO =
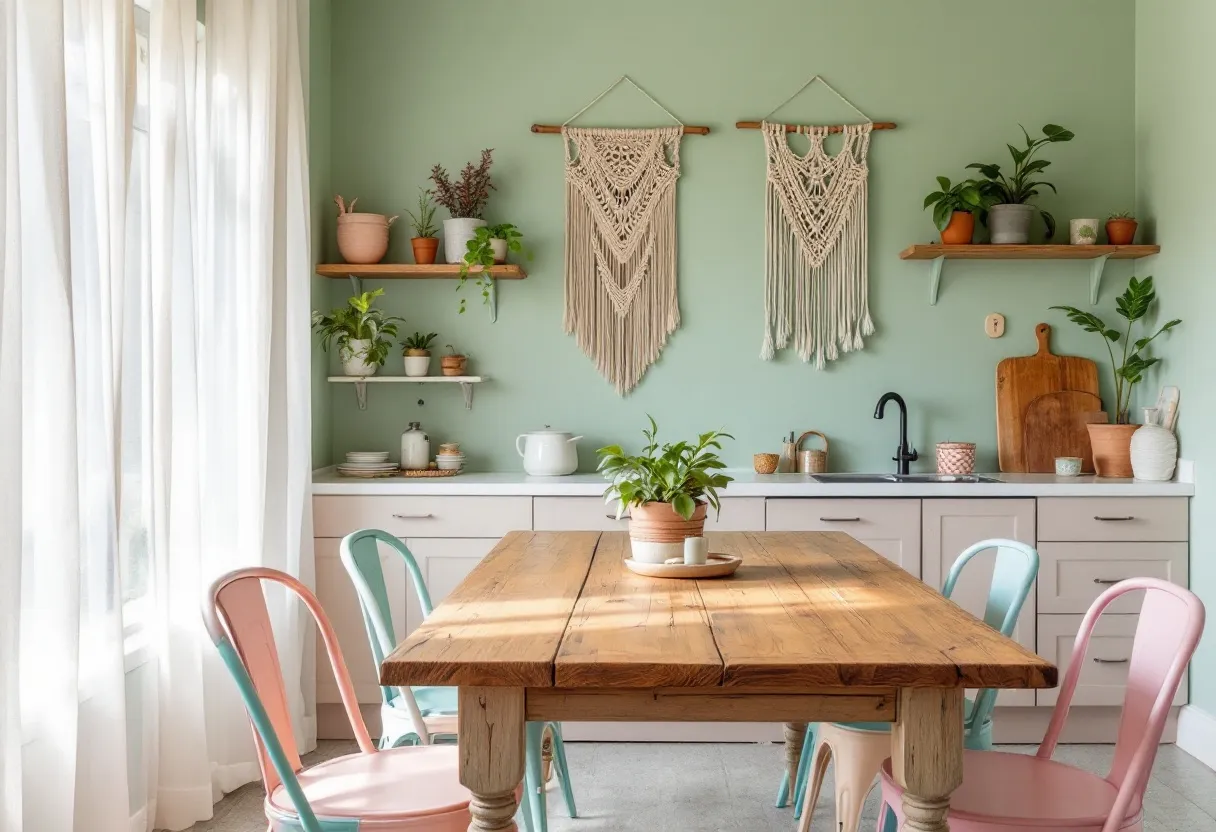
(480, 256)
(1021, 187)
(359, 320)
(419, 341)
(967, 196)
(423, 222)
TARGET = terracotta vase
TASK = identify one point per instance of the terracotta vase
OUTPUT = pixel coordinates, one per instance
(425, 250)
(657, 533)
(960, 230)
(453, 365)
(363, 238)
(1112, 447)
(1120, 232)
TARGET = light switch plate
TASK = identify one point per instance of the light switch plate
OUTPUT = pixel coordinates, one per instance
(994, 325)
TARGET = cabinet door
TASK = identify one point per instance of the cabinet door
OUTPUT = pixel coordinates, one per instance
(950, 526)
(444, 563)
(341, 604)
(889, 527)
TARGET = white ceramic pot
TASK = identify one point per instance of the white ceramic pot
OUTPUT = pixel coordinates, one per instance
(1010, 224)
(548, 453)
(499, 248)
(415, 448)
(1154, 449)
(1083, 232)
(417, 365)
(456, 236)
(354, 358)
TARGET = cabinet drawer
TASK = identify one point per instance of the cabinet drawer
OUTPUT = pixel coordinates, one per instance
(1073, 575)
(889, 527)
(1113, 518)
(560, 514)
(422, 516)
(1104, 678)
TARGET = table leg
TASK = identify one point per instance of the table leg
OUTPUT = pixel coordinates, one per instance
(927, 754)
(795, 735)
(491, 748)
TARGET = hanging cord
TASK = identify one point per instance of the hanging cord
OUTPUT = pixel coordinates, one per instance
(617, 82)
(797, 92)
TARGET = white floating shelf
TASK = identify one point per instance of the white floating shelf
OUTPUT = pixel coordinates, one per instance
(466, 384)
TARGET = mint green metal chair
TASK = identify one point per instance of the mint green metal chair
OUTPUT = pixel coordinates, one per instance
(1017, 565)
(426, 714)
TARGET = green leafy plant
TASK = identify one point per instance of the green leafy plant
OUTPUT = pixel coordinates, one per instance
(1132, 306)
(682, 474)
(480, 255)
(967, 196)
(418, 341)
(1121, 215)
(1021, 186)
(424, 221)
(358, 320)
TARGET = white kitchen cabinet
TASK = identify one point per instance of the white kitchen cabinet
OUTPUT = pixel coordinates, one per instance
(1073, 575)
(444, 563)
(889, 527)
(1113, 518)
(951, 525)
(421, 516)
(561, 514)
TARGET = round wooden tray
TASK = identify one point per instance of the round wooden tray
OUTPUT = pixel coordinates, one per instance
(426, 472)
(716, 566)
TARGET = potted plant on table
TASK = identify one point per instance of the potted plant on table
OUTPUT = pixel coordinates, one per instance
(363, 334)
(488, 247)
(465, 200)
(955, 208)
(1121, 229)
(667, 490)
(425, 241)
(1112, 443)
(417, 352)
(454, 363)
(1010, 213)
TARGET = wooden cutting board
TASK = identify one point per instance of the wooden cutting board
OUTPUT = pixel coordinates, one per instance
(1054, 425)
(1019, 381)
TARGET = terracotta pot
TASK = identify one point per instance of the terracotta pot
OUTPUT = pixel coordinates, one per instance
(425, 250)
(363, 238)
(657, 533)
(1121, 232)
(454, 365)
(960, 230)
(1112, 447)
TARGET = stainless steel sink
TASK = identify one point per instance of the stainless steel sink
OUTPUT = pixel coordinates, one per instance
(896, 478)
(943, 478)
(854, 478)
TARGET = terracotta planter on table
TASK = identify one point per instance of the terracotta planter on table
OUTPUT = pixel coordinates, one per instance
(657, 533)
(960, 230)
(1112, 448)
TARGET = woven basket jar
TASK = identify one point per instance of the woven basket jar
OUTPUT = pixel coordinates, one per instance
(955, 459)
(812, 460)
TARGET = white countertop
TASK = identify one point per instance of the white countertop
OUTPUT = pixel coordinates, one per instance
(748, 484)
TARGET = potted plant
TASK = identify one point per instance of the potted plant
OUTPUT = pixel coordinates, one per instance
(417, 351)
(362, 238)
(454, 363)
(364, 335)
(488, 247)
(1121, 229)
(425, 241)
(1083, 232)
(666, 489)
(1010, 214)
(1112, 443)
(954, 209)
(465, 200)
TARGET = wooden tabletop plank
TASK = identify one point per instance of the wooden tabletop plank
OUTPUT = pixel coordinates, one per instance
(503, 624)
(636, 632)
(822, 609)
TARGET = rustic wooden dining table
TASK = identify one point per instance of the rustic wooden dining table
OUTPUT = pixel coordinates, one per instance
(813, 627)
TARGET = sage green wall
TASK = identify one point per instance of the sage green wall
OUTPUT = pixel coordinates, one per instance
(319, 97)
(418, 83)
(1176, 174)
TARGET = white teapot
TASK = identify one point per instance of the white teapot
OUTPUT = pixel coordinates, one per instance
(548, 453)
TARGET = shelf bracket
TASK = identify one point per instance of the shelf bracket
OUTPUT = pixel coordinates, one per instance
(493, 302)
(361, 394)
(356, 283)
(467, 389)
(1095, 277)
(935, 278)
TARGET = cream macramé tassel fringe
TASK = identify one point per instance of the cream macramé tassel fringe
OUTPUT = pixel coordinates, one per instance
(816, 247)
(621, 299)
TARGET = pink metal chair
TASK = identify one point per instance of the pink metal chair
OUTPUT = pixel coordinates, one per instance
(1004, 792)
(408, 789)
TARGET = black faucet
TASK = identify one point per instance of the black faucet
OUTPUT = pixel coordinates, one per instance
(904, 455)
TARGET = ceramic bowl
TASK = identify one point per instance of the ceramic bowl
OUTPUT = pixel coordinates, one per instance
(1068, 466)
(765, 463)
(450, 462)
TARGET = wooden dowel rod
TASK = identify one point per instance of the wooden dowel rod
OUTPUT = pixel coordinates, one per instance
(692, 129)
(793, 128)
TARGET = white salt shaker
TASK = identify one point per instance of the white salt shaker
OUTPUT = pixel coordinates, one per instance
(696, 551)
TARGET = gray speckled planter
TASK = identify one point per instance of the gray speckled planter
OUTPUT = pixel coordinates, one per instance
(1010, 224)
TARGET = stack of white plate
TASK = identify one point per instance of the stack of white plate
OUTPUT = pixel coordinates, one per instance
(367, 464)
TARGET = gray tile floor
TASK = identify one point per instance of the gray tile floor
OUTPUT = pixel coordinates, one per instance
(730, 786)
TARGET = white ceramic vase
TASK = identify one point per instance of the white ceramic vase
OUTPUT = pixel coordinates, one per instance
(1154, 449)
(499, 248)
(354, 358)
(456, 236)
(1083, 232)
(417, 365)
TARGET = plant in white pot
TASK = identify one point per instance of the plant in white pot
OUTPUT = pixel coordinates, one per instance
(417, 351)
(363, 334)
(465, 200)
(666, 490)
(1010, 213)
(488, 247)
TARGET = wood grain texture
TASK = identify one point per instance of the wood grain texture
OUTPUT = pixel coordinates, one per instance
(631, 631)
(1054, 426)
(713, 704)
(491, 754)
(927, 755)
(794, 128)
(1027, 252)
(408, 271)
(1021, 380)
(503, 624)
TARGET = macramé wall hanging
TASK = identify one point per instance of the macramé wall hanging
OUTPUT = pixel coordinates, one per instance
(621, 299)
(816, 239)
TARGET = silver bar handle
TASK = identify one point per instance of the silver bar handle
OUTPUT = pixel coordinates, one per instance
(1113, 519)
(1107, 581)
(839, 519)
(614, 517)
(426, 516)
(1110, 661)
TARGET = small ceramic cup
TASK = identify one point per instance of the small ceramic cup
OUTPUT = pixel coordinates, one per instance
(696, 551)
(1068, 466)
(1083, 232)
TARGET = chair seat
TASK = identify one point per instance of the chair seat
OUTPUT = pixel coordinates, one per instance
(410, 788)
(1004, 789)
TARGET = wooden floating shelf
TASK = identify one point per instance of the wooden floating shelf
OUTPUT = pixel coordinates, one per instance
(1097, 255)
(412, 271)
(466, 384)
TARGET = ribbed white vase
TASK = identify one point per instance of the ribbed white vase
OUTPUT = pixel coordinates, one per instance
(456, 235)
(1154, 453)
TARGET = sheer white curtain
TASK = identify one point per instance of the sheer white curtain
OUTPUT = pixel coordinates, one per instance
(154, 353)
